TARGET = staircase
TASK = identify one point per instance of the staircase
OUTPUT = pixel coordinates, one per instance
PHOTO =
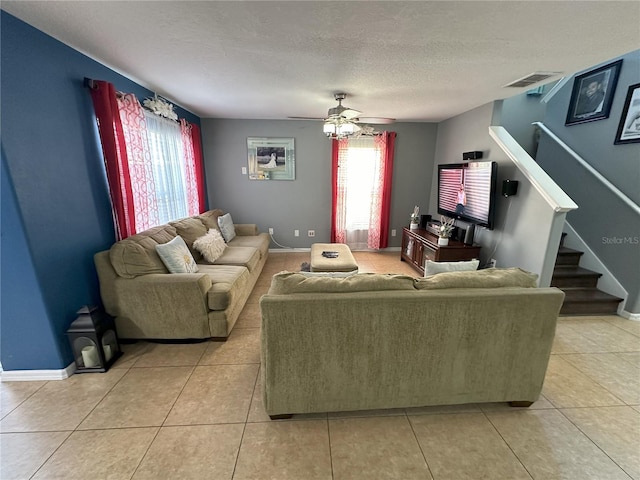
(582, 297)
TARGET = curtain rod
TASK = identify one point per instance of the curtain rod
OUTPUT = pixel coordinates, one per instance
(90, 83)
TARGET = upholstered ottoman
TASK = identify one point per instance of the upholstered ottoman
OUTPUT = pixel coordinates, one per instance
(343, 262)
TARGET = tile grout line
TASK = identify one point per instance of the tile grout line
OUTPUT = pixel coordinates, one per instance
(244, 426)
(593, 441)
(333, 476)
(75, 429)
(146, 452)
(597, 383)
(28, 397)
(507, 443)
(415, 435)
(70, 432)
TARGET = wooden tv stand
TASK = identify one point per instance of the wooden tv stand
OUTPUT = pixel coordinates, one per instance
(420, 245)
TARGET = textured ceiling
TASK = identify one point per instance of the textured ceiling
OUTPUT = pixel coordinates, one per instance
(413, 61)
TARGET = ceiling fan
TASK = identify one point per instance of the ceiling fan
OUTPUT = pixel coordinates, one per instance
(343, 121)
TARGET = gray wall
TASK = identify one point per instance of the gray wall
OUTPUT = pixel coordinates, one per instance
(519, 112)
(524, 222)
(609, 227)
(305, 203)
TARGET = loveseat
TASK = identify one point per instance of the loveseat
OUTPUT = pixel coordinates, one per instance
(374, 341)
(148, 302)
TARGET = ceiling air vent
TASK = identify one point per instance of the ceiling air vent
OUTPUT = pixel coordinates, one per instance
(530, 79)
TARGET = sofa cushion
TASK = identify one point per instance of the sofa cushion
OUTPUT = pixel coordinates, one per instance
(211, 245)
(487, 278)
(176, 256)
(243, 256)
(293, 282)
(225, 222)
(228, 281)
(260, 241)
(136, 255)
(190, 229)
(210, 218)
(431, 268)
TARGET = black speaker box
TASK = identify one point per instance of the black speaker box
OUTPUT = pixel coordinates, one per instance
(509, 187)
(424, 219)
(468, 237)
(471, 155)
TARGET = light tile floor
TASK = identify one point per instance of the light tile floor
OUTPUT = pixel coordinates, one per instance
(168, 411)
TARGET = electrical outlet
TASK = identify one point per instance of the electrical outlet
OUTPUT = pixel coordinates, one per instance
(296, 233)
(492, 263)
(393, 232)
(244, 170)
(270, 231)
(311, 233)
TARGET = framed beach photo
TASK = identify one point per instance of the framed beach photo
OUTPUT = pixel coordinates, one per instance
(592, 94)
(271, 158)
(629, 127)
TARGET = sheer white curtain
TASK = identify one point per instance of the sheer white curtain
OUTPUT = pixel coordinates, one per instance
(168, 167)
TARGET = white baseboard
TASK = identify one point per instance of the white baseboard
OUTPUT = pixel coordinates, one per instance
(629, 315)
(34, 375)
(297, 250)
(288, 250)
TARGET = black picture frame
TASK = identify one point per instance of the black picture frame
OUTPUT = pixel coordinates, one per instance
(592, 94)
(629, 126)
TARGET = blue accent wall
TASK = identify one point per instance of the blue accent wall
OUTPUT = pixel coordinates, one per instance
(56, 212)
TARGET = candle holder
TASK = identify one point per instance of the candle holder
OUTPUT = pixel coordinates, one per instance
(94, 340)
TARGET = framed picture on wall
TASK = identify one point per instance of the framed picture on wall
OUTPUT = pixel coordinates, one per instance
(592, 94)
(629, 127)
(271, 158)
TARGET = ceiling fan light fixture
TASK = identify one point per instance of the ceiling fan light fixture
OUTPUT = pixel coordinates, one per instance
(339, 128)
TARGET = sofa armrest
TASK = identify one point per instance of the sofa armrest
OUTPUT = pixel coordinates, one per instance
(157, 303)
(246, 229)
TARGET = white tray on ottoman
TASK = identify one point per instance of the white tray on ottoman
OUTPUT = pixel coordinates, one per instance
(343, 262)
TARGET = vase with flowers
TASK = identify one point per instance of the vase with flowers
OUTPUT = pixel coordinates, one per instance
(445, 231)
(414, 218)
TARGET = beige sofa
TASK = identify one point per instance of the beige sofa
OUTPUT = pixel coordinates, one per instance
(148, 302)
(372, 341)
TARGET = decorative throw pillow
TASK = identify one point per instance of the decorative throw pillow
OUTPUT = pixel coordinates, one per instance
(211, 245)
(431, 268)
(226, 227)
(176, 256)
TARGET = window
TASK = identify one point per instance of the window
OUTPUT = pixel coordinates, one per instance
(154, 165)
(362, 191)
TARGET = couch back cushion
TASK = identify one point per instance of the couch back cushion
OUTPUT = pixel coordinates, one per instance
(289, 282)
(190, 229)
(487, 278)
(210, 218)
(136, 255)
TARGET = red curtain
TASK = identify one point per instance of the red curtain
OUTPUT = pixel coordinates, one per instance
(338, 205)
(116, 161)
(199, 169)
(389, 139)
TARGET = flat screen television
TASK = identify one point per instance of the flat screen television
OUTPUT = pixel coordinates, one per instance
(466, 191)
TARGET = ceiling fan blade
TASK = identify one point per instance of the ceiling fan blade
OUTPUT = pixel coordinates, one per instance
(349, 113)
(376, 120)
(306, 118)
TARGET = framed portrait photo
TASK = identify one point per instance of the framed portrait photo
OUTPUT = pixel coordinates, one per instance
(592, 94)
(629, 127)
(271, 158)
